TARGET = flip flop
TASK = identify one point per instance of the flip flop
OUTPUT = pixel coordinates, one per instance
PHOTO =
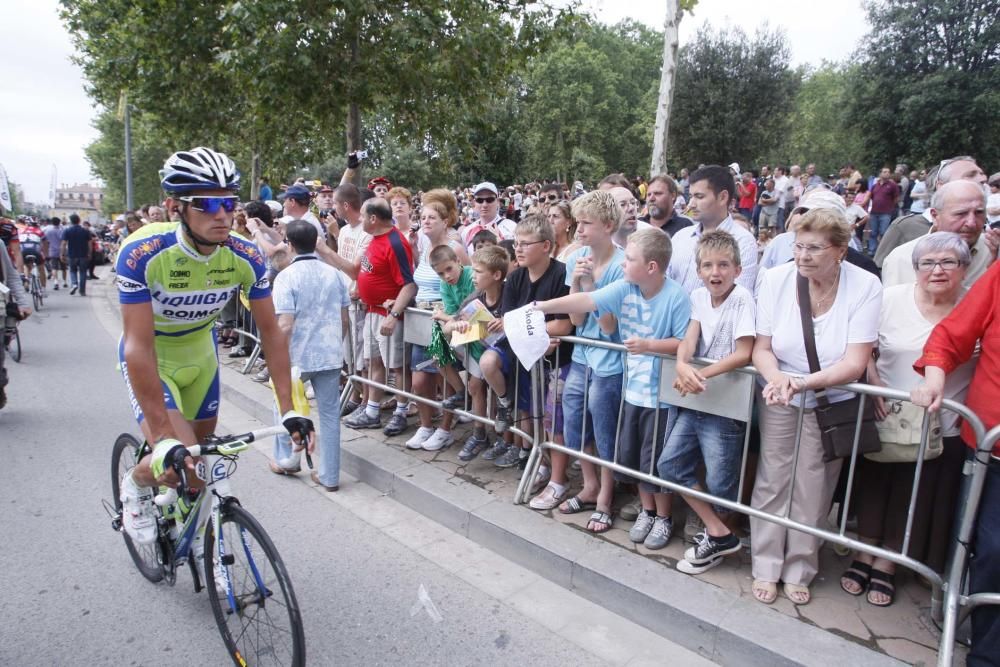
(884, 583)
(797, 594)
(859, 573)
(602, 518)
(574, 506)
(765, 591)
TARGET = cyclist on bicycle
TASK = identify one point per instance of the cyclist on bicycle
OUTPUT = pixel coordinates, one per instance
(17, 306)
(32, 244)
(173, 280)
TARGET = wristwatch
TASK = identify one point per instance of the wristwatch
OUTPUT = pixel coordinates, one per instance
(395, 314)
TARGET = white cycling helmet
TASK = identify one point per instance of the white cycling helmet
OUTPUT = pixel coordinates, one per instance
(199, 169)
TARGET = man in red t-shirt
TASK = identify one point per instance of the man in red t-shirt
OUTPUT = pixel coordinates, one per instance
(747, 191)
(385, 285)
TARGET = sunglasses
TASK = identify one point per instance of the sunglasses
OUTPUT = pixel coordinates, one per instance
(211, 205)
(485, 200)
(551, 198)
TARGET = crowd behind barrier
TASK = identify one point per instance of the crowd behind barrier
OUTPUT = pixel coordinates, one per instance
(733, 395)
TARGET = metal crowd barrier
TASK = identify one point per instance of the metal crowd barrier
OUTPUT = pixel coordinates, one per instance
(733, 395)
(246, 328)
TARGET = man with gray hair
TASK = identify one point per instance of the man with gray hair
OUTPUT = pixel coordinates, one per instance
(960, 207)
(909, 227)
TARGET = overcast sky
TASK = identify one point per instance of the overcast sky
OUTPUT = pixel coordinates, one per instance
(45, 119)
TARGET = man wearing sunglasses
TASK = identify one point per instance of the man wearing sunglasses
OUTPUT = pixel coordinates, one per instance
(173, 281)
(486, 202)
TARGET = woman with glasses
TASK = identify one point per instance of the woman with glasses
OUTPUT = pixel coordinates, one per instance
(844, 303)
(909, 313)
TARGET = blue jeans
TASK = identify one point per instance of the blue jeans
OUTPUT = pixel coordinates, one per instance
(984, 573)
(598, 420)
(78, 267)
(696, 435)
(326, 384)
(878, 223)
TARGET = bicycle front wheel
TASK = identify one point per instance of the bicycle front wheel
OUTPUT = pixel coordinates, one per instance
(251, 595)
(146, 557)
(14, 345)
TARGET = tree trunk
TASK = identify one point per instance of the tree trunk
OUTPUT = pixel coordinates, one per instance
(354, 115)
(663, 105)
(255, 175)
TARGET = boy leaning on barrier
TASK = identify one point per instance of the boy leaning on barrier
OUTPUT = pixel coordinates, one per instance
(653, 313)
(594, 372)
(722, 328)
(489, 268)
(538, 276)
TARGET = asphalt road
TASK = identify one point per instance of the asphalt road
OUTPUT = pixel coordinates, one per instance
(70, 595)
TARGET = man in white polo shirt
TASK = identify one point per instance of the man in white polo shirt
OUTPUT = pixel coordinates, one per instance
(712, 190)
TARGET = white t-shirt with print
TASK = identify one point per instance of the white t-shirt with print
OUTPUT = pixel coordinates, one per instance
(852, 319)
(351, 244)
(721, 327)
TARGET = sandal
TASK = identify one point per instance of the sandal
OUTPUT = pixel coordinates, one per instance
(884, 583)
(278, 470)
(859, 573)
(604, 521)
(797, 594)
(547, 499)
(574, 506)
(765, 591)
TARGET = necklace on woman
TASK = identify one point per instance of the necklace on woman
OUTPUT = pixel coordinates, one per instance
(817, 304)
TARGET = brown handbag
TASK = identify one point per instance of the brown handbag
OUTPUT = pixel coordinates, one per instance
(837, 421)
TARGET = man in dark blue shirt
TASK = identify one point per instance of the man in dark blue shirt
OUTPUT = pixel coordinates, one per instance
(76, 247)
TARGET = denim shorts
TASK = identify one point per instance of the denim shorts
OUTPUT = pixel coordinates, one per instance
(698, 436)
(598, 420)
(642, 436)
(515, 374)
(418, 355)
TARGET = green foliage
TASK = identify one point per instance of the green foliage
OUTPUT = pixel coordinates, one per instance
(820, 131)
(929, 82)
(107, 161)
(731, 93)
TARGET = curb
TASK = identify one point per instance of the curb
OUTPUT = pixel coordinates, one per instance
(725, 629)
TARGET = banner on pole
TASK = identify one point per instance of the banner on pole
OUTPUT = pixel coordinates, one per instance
(5, 202)
(52, 189)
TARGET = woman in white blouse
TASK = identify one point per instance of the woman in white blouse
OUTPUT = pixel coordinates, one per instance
(909, 313)
(845, 302)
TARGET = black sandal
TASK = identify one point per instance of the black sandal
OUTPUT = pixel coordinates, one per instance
(859, 573)
(884, 583)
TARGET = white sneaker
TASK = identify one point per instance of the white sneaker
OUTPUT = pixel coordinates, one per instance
(439, 440)
(138, 511)
(422, 434)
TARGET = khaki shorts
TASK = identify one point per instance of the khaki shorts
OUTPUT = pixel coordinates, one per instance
(356, 317)
(389, 348)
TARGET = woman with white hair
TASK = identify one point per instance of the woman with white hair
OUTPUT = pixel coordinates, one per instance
(885, 480)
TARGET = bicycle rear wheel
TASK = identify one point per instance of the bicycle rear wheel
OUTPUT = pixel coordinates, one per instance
(256, 610)
(36, 292)
(146, 557)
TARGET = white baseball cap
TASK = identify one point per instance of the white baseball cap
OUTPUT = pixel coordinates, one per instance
(486, 185)
(735, 167)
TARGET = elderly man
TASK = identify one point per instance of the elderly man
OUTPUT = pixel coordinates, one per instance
(960, 207)
(661, 193)
(310, 300)
(910, 227)
(296, 207)
(630, 207)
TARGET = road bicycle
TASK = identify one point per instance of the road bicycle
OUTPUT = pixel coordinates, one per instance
(248, 586)
(33, 284)
(11, 337)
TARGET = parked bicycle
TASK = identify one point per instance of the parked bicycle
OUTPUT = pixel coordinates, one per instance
(249, 589)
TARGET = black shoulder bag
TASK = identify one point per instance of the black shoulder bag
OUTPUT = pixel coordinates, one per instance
(837, 421)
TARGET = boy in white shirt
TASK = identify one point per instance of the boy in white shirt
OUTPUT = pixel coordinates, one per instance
(722, 328)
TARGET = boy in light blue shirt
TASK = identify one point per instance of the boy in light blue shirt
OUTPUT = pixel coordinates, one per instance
(653, 313)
